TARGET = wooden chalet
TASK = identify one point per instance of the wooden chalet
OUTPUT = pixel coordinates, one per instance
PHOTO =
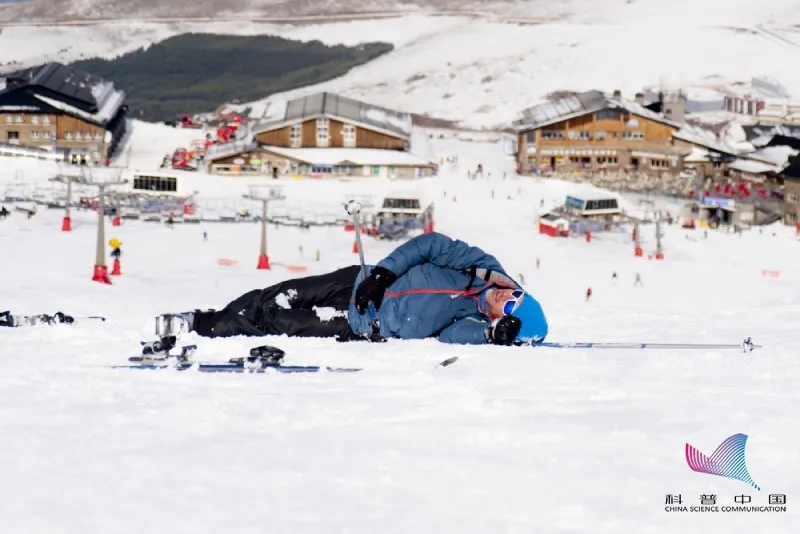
(591, 132)
(326, 134)
(62, 108)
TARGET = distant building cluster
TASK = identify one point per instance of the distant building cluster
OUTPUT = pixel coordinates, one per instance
(737, 142)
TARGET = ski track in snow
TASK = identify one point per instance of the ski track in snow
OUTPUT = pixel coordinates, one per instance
(508, 440)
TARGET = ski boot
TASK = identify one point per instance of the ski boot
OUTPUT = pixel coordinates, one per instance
(174, 324)
(260, 357)
(160, 350)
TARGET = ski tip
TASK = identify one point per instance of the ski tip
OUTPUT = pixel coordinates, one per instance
(449, 361)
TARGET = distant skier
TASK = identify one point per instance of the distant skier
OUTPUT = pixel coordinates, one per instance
(205, 235)
(588, 294)
(4, 212)
(614, 275)
(638, 281)
(538, 262)
(430, 286)
(116, 248)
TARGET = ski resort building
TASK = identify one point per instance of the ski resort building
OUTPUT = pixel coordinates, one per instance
(57, 107)
(325, 134)
(592, 132)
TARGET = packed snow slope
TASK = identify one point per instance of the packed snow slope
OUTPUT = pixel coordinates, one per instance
(506, 440)
(483, 69)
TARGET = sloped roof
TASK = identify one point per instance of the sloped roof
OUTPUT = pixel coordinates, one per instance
(331, 105)
(578, 105)
(753, 167)
(698, 136)
(754, 131)
(344, 156)
(72, 91)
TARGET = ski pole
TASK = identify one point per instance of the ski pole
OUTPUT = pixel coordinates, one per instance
(747, 345)
(354, 208)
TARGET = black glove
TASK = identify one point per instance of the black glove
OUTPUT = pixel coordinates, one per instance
(61, 317)
(503, 331)
(6, 319)
(372, 288)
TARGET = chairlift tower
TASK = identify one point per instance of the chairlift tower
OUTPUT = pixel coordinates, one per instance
(108, 178)
(265, 195)
(659, 252)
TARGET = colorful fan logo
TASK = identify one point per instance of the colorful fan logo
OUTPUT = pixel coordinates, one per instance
(726, 461)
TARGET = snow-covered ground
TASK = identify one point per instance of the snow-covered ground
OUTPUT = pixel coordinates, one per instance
(507, 440)
(483, 70)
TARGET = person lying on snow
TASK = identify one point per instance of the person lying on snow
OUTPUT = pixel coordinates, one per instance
(430, 286)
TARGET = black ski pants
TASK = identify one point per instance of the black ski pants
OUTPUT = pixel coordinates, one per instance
(264, 312)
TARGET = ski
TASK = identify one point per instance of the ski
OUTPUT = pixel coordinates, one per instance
(235, 368)
(17, 321)
(262, 359)
(746, 346)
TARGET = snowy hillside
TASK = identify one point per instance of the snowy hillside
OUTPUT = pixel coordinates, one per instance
(572, 10)
(482, 70)
(507, 440)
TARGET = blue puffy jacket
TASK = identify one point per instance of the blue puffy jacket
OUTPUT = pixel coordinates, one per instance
(430, 296)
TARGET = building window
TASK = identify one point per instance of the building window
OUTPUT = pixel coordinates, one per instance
(552, 134)
(34, 135)
(46, 119)
(629, 135)
(68, 136)
(793, 198)
(13, 137)
(18, 119)
(155, 183)
(607, 115)
(575, 135)
(9, 119)
(607, 160)
(34, 119)
(599, 136)
(322, 132)
(45, 135)
(98, 136)
(349, 136)
(296, 136)
(659, 163)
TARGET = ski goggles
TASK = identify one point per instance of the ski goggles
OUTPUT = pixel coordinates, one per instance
(512, 303)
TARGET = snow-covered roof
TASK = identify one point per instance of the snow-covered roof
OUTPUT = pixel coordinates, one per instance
(18, 108)
(102, 116)
(581, 104)
(348, 110)
(705, 138)
(344, 156)
(593, 195)
(697, 155)
(753, 167)
(774, 155)
(70, 90)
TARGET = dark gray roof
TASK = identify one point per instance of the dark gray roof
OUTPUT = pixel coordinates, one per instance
(71, 90)
(331, 105)
(578, 105)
